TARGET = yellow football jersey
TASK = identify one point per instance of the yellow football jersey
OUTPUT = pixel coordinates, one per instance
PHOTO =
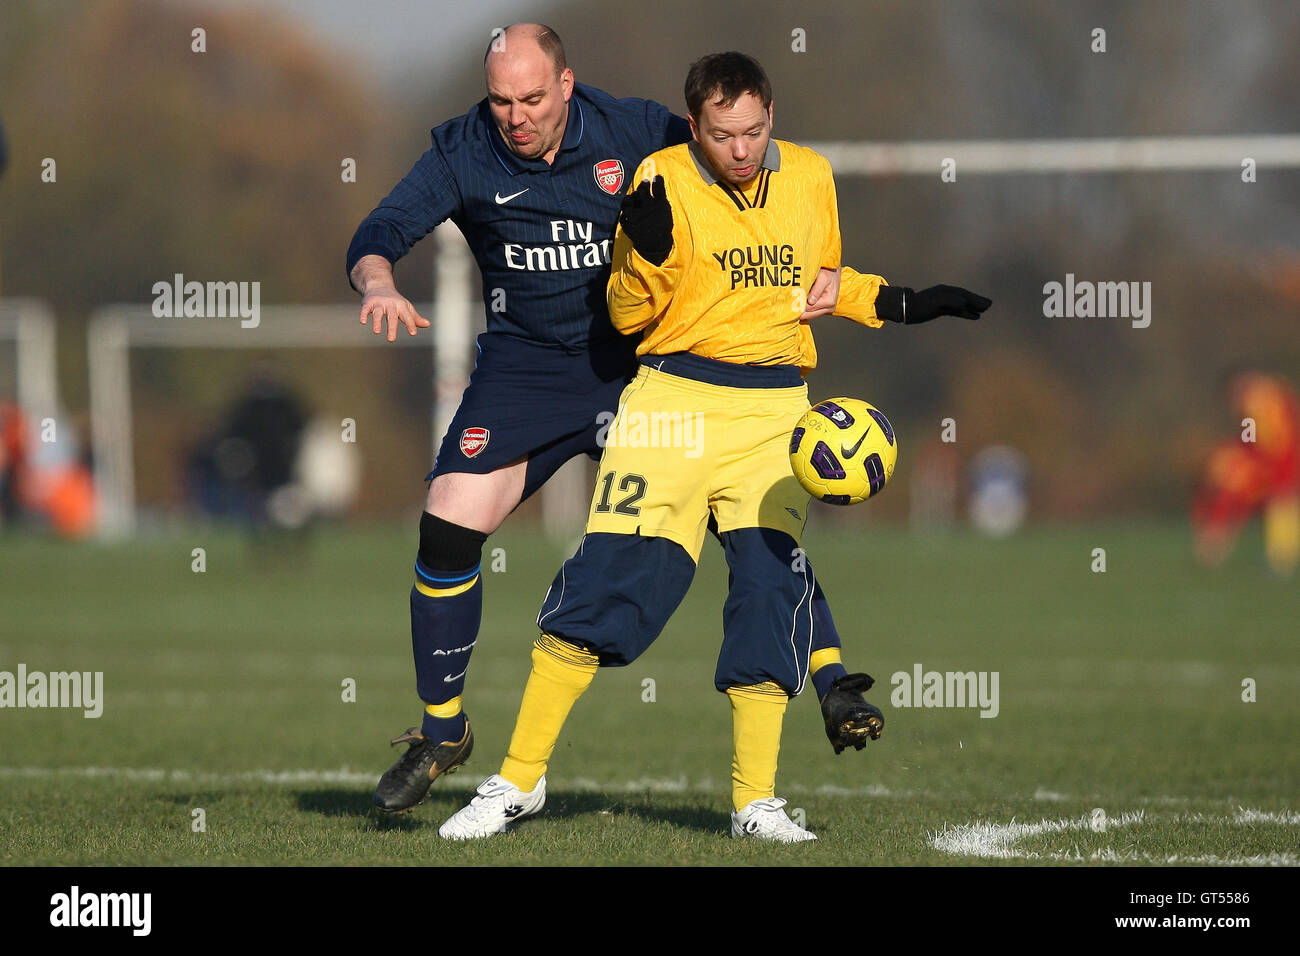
(742, 262)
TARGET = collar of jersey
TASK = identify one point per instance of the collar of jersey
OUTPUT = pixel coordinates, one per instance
(771, 160)
(513, 164)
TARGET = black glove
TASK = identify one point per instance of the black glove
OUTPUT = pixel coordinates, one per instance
(900, 304)
(647, 219)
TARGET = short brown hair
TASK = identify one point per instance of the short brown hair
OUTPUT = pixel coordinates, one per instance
(723, 78)
(546, 38)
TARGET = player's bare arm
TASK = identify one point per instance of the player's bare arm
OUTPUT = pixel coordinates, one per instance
(373, 278)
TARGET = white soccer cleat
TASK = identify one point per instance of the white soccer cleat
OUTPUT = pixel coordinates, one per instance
(765, 820)
(498, 804)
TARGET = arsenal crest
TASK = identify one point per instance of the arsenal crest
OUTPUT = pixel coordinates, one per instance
(609, 175)
(473, 441)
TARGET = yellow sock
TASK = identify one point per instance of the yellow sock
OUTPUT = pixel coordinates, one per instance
(756, 715)
(561, 673)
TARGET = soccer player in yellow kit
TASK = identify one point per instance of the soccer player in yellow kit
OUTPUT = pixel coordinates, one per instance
(717, 241)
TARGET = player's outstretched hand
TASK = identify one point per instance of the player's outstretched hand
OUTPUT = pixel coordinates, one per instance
(823, 295)
(946, 300)
(901, 304)
(388, 302)
(647, 218)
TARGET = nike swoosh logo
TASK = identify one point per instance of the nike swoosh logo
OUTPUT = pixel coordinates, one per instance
(850, 452)
(448, 680)
(501, 200)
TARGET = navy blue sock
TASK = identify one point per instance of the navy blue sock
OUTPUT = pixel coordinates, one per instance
(444, 630)
(823, 678)
(446, 607)
(824, 636)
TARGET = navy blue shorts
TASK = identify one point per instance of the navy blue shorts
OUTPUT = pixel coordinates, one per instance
(616, 594)
(535, 402)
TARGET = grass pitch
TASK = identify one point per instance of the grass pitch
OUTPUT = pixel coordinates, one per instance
(1121, 735)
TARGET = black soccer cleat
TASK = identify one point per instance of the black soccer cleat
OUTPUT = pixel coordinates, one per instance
(850, 720)
(406, 783)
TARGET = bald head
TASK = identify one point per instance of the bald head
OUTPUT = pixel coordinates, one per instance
(528, 86)
(523, 38)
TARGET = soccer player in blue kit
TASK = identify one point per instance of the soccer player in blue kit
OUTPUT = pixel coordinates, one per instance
(534, 177)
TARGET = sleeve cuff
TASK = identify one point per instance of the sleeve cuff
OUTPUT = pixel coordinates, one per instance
(358, 252)
(890, 303)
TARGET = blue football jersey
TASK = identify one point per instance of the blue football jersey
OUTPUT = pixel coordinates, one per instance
(541, 233)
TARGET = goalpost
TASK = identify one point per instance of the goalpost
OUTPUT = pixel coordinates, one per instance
(115, 330)
(1104, 155)
(1238, 154)
(30, 324)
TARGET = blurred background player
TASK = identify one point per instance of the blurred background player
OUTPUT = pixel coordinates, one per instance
(1258, 473)
(13, 462)
(533, 176)
(261, 464)
(13, 428)
(58, 493)
(722, 344)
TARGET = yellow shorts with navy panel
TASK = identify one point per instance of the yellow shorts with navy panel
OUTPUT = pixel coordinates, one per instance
(696, 445)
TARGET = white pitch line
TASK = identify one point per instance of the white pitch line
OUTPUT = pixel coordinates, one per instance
(1052, 796)
(1001, 840)
(591, 785)
(1248, 817)
(344, 776)
(1207, 859)
(998, 840)
(161, 775)
(353, 777)
(581, 784)
(651, 784)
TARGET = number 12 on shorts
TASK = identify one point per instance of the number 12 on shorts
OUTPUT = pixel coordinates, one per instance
(626, 506)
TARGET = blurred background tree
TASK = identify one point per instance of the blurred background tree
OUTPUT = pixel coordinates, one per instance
(226, 165)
